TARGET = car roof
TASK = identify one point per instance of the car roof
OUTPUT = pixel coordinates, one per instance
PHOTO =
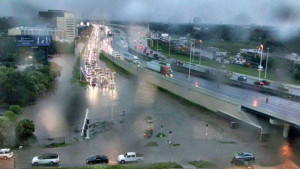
(130, 153)
(50, 154)
(4, 149)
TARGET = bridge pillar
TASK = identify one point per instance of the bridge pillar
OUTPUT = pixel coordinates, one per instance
(286, 129)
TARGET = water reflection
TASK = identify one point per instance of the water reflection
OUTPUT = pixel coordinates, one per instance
(92, 94)
(286, 150)
(255, 102)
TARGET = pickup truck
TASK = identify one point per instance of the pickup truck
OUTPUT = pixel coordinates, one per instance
(130, 157)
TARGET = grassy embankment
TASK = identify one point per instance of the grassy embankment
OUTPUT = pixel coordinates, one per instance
(203, 164)
(76, 70)
(231, 47)
(167, 165)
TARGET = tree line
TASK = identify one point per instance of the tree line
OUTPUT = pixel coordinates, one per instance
(267, 36)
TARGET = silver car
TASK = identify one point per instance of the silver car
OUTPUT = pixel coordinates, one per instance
(47, 158)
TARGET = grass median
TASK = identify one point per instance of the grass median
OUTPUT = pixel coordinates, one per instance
(76, 74)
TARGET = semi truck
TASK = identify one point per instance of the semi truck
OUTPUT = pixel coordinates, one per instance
(161, 67)
(131, 58)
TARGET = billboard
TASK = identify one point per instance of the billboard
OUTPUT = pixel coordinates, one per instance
(33, 41)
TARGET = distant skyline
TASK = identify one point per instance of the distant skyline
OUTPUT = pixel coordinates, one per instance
(241, 12)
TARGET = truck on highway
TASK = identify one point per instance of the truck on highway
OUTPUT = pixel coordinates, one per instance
(161, 67)
(131, 58)
(130, 157)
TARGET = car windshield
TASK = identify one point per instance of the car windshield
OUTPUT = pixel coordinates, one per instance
(187, 83)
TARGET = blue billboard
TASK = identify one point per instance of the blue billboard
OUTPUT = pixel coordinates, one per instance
(33, 41)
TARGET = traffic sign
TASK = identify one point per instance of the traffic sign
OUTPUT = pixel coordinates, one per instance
(33, 41)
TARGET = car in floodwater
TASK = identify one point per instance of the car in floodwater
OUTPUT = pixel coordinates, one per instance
(44, 159)
(97, 159)
(245, 156)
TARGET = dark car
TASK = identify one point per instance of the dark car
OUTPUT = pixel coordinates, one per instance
(241, 163)
(97, 159)
(242, 78)
(259, 83)
(148, 133)
(266, 82)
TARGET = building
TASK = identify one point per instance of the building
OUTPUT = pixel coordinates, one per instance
(61, 20)
(56, 34)
(196, 21)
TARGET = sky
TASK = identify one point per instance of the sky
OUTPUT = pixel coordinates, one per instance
(259, 12)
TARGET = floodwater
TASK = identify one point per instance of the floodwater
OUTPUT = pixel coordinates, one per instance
(62, 110)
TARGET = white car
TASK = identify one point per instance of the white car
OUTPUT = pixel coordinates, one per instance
(47, 158)
(5, 153)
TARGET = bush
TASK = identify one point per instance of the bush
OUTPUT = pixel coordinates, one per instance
(16, 109)
(25, 129)
(10, 115)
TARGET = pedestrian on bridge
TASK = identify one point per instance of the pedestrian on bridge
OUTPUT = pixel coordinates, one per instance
(267, 99)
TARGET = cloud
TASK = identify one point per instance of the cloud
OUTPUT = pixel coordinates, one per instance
(260, 12)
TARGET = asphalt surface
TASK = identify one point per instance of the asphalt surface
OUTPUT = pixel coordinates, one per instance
(276, 105)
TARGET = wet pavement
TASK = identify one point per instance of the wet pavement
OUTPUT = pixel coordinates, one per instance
(278, 107)
(61, 111)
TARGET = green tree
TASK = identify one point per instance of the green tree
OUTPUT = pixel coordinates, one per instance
(25, 128)
(10, 115)
(12, 89)
(4, 129)
(16, 109)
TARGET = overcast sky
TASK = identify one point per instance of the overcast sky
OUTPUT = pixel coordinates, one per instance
(260, 12)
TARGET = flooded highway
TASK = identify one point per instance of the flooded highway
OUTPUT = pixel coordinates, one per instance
(62, 110)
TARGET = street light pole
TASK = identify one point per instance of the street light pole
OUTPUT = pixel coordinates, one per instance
(267, 64)
(190, 63)
(112, 110)
(169, 45)
(261, 53)
(157, 43)
(200, 52)
(193, 52)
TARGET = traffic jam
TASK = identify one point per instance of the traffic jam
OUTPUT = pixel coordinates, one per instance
(95, 72)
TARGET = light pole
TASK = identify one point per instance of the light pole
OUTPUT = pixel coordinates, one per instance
(193, 53)
(169, 45)
(190, 62)
(112, 110)
(200, 41)
(161, 128)
(157, 43)
(260, 66)
(267, 64)
(170, 137)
